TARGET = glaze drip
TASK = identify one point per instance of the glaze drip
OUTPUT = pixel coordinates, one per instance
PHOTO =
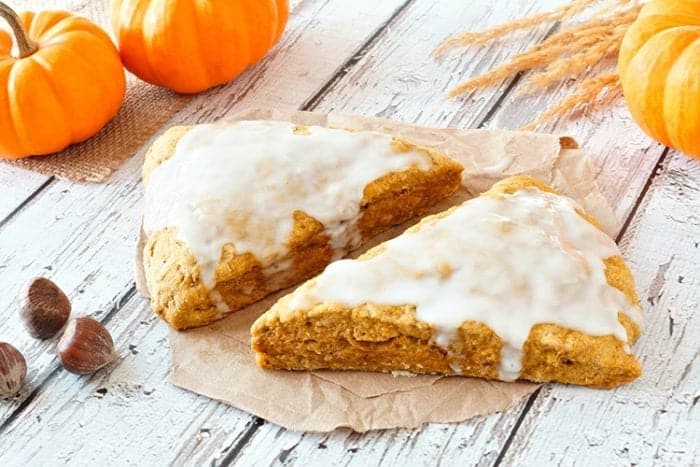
(510, 262)
(241, 183)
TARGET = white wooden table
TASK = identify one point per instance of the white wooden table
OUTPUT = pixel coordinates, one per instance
(366, 57)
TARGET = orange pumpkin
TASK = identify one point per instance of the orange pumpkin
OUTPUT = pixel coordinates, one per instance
(191, 45)
(65, 84)
(659, 67)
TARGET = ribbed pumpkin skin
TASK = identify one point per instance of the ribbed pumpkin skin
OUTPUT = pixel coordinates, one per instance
(191, 45)
(62, 94)
(659, 66)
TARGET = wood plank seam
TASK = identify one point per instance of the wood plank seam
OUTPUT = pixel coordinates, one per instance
(344, 69)
(514, 430)
(513, 83)
(663, 398)
(620, 235)
(126, 296)
(310, 104)
(650, 180)
(53, 373)
(318, 97)
(627, 222)
(506, 93)
(20, 207)
(328, 87)
(51, 179)
(235, 450)
(307, 105)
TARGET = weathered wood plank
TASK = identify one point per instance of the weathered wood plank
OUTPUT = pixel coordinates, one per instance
(625, 159)
(17, 188)
(623, 164)
(399, 80)
(83, 235)
(368, 88)
(18, 185)
(476, 442)
(211, 106)
(126, 414)
(70, 234)
(655, 420)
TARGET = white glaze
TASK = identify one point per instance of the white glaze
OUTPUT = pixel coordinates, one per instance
(241, 182)
(509, 262)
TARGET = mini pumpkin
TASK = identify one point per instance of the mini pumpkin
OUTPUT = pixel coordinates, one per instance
(659, 67)
(191, 45)
(64, 85)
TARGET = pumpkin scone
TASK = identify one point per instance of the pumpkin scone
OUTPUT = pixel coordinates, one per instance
(239, 210)
(518, 283)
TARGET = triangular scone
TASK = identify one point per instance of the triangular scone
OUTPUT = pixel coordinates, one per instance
(236, 211)
(515, 284)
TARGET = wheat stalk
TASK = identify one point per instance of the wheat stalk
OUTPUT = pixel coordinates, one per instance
(590, 90)
(565, 54)
(473, 38)
(600, 39)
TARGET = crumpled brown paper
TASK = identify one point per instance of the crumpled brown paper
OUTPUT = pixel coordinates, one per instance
(216, 361)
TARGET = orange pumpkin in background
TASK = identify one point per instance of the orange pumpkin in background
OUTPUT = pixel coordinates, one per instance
(5, 44)
(192, 45)
(64, 85)
(659, 67)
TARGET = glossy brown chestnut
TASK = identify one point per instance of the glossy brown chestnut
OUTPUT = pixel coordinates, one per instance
(44, 308)
(13, 370)
(86, 346)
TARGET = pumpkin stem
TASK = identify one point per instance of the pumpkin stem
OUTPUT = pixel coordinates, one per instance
(25, 45)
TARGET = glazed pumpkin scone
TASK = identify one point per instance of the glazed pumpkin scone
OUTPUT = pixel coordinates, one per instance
(239, 210)
(518, 283)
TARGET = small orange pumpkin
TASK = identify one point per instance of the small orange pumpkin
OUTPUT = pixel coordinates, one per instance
(65, 84)
(191, 45)
(659, 67)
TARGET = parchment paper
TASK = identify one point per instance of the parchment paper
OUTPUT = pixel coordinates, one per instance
(216, 361)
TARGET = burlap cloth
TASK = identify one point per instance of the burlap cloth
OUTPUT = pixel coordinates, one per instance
(145, 109)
